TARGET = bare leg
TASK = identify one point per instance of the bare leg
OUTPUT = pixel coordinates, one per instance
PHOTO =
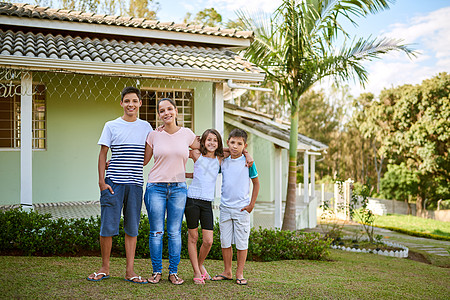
(227, 254)
(105, 246)
(204, 249)
(130, 250)
(192, 250)
(241, 258)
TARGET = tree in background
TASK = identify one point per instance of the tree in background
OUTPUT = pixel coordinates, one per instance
(400, 183)
(207, 17)
(415, 121)
(295, 47)
(133, 8)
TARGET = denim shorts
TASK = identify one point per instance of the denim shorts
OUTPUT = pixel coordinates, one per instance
(126, 196)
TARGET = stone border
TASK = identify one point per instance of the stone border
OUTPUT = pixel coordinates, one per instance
(403, 253)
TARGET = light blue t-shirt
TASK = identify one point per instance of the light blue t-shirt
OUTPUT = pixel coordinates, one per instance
(127, 143)
(236, 182)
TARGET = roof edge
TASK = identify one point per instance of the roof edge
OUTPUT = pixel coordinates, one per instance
(97, 68)
(112, 29)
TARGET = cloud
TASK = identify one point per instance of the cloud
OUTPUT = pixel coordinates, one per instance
(429, 35)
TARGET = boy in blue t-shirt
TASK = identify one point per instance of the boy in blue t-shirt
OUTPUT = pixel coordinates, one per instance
(236, 205)
(122, 186)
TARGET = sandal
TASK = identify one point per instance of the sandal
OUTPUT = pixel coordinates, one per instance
(104, 276)
(177, 280)
(132, 279)
(206, 276)
(199, 281)
(154, 279)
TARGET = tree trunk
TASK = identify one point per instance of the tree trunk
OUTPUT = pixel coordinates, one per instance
(289, 219)
(419, 205)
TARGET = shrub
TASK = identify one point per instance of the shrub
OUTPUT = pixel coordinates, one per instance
(31, 233)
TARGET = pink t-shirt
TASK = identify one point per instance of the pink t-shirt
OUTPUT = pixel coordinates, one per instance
(170, 152)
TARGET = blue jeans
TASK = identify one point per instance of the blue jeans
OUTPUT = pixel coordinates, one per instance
(159, 198)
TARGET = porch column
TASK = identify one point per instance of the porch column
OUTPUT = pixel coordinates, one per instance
(278, 188)
(218, 124)
(313, 200)
(313, 179)
(305, 177)
(218, 108)
(26, 138)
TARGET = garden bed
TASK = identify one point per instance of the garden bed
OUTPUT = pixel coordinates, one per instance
(385, 248)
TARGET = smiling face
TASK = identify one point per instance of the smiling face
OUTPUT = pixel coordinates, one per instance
(211, 143)
(131, 104)
(167, 112)
(236, 146)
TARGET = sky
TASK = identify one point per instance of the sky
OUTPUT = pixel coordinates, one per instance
(424, 24)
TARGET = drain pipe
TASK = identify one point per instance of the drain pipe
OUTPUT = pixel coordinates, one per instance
(232, 86)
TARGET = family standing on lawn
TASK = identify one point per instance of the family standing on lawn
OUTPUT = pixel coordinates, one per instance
(133, 143)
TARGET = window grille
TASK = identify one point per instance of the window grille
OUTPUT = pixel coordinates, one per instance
(184, 100)
(10, 117)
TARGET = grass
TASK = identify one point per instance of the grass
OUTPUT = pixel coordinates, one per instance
(413, 223)
(345, 276)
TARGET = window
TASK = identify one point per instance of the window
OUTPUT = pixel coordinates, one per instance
(10, 117)
(183, 98)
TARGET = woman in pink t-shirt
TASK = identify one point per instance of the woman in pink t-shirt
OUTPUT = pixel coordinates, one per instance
(166, 187)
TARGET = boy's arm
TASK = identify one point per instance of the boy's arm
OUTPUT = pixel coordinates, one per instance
(148, 153)
(101, 169)
(255, 192)
(189, 175)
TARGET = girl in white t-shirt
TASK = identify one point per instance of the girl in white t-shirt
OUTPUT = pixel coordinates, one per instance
(200, 196)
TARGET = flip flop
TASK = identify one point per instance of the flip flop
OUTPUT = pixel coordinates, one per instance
(101, 278)
(136, 277)
(241, 281)
(206, 276)
(223, 277)
(199, 281)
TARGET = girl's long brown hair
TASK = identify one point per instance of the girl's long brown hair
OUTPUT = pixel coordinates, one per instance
(219, 150)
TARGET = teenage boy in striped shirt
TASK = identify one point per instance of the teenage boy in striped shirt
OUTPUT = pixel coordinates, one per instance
(121, 188)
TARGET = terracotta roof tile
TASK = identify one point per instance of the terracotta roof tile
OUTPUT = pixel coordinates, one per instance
(34, 11)
(121, 52)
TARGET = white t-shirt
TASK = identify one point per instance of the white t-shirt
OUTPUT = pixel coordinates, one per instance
(203, 185)
(236, 182)
(127, 143)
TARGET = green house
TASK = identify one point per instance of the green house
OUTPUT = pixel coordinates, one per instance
(61, 73)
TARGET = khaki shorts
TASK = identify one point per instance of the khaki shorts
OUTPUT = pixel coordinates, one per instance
(234, 227)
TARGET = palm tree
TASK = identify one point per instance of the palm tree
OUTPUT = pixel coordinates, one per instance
(296, 49)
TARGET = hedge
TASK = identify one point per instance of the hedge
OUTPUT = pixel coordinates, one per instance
(31, 233)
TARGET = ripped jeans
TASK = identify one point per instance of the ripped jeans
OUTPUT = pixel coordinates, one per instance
(159, 198)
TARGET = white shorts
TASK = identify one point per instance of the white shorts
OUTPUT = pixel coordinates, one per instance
(234, 227)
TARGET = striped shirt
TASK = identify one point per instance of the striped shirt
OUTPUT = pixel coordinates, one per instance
(127, 143)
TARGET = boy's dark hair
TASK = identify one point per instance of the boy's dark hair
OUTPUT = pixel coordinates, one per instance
(219, 150)
(237, 132)
(130, 90)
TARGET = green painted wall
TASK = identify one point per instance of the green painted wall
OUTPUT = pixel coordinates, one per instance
(67, 169)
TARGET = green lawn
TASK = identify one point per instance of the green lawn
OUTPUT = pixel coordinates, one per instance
(415, 224)
(345, 276)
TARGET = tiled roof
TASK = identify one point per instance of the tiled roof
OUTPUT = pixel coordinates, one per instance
(34, 11)
(68, 48)
(264, 124)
